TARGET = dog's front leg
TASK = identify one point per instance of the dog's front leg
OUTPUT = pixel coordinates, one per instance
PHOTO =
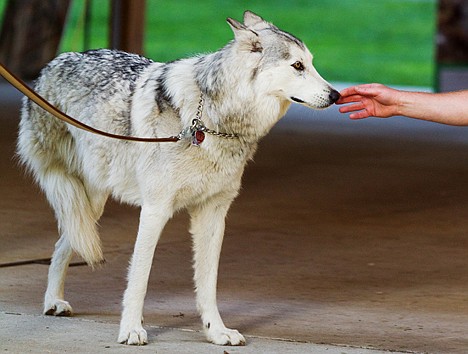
(152, 221)
(208, 230)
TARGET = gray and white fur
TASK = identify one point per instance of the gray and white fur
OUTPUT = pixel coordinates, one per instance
(247, 87)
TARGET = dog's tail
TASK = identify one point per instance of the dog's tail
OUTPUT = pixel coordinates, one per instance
(48, 150)
(75, 215)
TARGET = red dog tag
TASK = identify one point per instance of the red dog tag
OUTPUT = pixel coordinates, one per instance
(199, 136)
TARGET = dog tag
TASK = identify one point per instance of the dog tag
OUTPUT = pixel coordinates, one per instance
(198, 138)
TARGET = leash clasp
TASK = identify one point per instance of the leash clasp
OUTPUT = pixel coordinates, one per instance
(196, 132)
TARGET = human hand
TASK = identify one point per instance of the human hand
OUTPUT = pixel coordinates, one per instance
(369, 100)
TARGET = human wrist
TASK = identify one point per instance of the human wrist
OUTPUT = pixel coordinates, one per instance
(402, 102)
(407, 103)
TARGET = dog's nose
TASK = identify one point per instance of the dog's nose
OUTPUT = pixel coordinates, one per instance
(334, 96)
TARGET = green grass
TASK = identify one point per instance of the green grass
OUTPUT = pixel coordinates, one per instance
(388, 41)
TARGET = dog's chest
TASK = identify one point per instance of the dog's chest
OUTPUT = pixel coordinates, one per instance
(204, 173)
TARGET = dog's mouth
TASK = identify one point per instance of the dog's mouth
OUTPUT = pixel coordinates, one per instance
(320, 102)
(307, 104)
(298, 100)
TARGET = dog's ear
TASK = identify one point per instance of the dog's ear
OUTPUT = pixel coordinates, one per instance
(254, 21)
(247, 38)
(239, 29)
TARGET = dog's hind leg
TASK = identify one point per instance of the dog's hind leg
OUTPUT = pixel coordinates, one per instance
(207, 228)
(54, 303)
(77, 211)
(48, 149)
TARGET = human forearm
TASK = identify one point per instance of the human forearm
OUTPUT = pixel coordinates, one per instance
(447, 108)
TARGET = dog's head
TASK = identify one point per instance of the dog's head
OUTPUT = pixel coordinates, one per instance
(281, 63)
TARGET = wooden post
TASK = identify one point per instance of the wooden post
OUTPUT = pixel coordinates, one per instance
(452, 46)
(30, 34)
(127, 25)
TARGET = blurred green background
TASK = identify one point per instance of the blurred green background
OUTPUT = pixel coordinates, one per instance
(388, 41)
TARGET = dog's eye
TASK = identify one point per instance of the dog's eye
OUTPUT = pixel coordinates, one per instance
(298, 66)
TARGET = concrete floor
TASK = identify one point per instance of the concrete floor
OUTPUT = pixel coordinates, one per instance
(348, 234)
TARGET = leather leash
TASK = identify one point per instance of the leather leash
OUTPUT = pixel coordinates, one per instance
(44, 104)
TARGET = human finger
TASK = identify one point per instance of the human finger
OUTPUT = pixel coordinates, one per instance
(353, 90)
(352, 107)
(349, 99)
(349, 91)
(359, 115)
(368, 90)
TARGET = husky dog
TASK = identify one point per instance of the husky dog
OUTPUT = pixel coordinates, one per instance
(240, 91)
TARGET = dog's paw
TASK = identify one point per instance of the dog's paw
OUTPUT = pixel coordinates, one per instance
(58, 308)
(225, 336)
(136, 336)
